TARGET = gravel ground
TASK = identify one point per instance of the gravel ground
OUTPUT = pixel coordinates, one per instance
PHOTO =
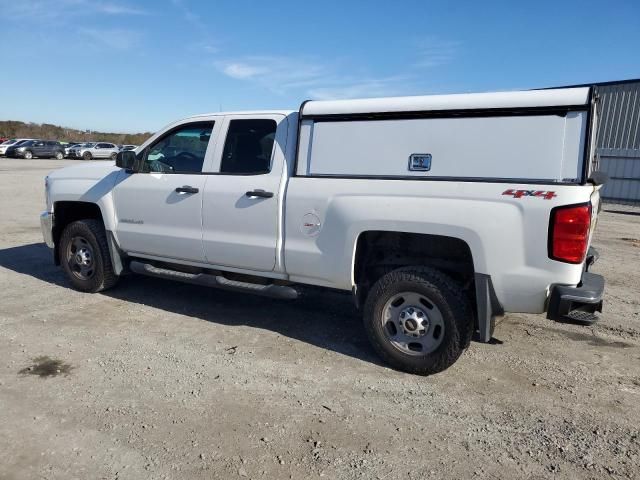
(156, 379)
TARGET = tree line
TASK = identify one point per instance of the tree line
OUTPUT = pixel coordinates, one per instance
(47, 131)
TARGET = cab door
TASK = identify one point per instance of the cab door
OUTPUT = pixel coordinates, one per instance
(158, 208)
(241, 202)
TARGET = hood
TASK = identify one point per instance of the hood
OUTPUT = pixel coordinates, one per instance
(94, 170)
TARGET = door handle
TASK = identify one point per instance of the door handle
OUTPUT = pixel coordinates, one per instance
(259, 193)
(187, 189)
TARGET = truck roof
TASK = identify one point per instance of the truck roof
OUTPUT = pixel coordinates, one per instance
(465, 101)
(246, 112)
(558, 97)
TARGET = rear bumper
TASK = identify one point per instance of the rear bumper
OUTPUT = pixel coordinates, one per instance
(578, 304)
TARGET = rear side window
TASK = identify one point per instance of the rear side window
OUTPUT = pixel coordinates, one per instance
(248, 147)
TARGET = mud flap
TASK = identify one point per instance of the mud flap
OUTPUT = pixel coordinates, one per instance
(487, 308)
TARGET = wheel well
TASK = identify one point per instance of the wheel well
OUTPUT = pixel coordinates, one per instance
(67, 212)
(379, 252)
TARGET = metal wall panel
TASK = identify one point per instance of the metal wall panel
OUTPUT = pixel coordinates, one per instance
(618, 140)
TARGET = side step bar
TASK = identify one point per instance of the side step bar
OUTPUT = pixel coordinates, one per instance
(215, 281)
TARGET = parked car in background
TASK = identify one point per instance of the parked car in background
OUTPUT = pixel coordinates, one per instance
(11, 142)
(92, 150)
(11, 149)
(37, 148)
(69, 146)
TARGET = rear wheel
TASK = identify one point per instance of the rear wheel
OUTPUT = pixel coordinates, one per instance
(87, 155)
(113, 156)
(84, 256)
(28, 155)
(418, 320)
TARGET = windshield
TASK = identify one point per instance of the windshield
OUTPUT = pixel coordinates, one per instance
(23, 142)
(88, 145)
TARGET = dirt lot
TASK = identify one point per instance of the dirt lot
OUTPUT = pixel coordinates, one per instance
(156, 379)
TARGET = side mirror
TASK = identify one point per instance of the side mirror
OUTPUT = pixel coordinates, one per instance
(126, 159)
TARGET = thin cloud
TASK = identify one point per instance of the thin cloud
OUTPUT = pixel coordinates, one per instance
(278, 74)
(368, 87)
(191, 17)
(314, 79)
(119, 9)
(206, 43)
(112, 38)
(241, 70)
(41, 10)
(433, 52)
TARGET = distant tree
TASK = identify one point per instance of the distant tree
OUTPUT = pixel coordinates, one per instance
(48, 131)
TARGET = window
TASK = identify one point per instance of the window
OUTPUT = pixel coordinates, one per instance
(248, 147)
(103, 145)
(182, 150)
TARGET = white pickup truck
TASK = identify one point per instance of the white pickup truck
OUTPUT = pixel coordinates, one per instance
(439, 213)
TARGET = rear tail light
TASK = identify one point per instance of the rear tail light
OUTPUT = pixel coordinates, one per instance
(569, 233)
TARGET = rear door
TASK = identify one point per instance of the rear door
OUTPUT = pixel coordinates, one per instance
(38, 149)
(50, 150)
(101, 150)
(110, 150)
(241, 202)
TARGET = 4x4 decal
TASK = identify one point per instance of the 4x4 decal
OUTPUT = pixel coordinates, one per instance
(547, 195)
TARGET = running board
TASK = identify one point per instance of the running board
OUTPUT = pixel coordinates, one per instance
(215, 281)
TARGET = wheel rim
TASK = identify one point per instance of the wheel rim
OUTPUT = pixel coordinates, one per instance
(27, 155)
(80, 258)
(58, 156)
(412, 323)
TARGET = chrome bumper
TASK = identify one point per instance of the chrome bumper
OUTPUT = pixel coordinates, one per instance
(46, 224)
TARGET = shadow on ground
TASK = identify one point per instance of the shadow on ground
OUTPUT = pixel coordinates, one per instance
(624, 212)
(325, 319)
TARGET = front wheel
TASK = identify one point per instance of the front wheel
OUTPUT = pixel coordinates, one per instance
(84, 256)
(418, 320)
(59, 156)
(86, 155)
(28, 155)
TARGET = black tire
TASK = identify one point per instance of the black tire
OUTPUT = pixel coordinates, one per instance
(87, 155)
(113, 156)
(443, 293)
(93, 234)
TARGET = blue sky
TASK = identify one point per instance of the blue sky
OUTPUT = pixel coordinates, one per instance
(136, 65)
